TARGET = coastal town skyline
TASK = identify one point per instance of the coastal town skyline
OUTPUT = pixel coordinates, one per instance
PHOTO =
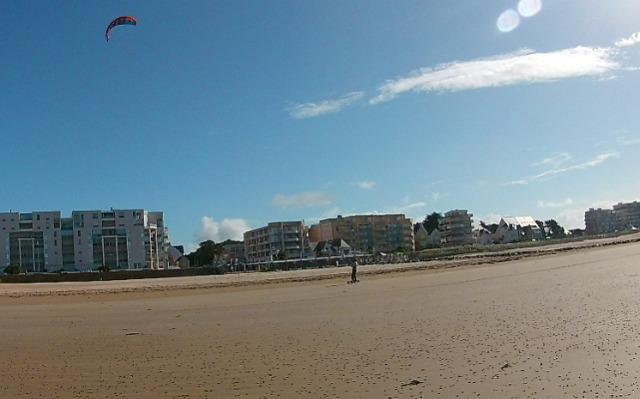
(226, 116)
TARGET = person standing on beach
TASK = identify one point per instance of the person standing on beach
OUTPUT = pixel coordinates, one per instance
(354, 270)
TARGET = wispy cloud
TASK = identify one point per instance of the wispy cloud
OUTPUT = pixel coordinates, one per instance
(558, 169)
(525, 66)
(409, 208)
(365, 184)
(307, 198)
(551, 204)
(437, 196)
(522, 67)
(629, 41)
(556, 160)
(310, 110)
(406, 209)
(628, 141)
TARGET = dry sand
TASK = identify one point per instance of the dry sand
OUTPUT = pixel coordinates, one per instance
(556, 326)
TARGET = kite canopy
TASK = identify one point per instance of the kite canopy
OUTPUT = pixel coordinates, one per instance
(125, 20)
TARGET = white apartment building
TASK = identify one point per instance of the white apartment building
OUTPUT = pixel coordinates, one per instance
(117, 238)
(31, 240)
(266, 244)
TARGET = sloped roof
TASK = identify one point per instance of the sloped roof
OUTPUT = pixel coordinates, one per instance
(331, 244)
(175, 253)
(522, 221)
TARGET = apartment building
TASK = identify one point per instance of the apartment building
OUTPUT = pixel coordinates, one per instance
(117, 238)
(367, 233)
(627, 215)
(234, 252)
(599, 221)
(456, 228)
(623, 216)
(31, 240)
(277, 240)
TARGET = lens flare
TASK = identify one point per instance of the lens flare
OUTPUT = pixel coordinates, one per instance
(529, 8)
(508, 21)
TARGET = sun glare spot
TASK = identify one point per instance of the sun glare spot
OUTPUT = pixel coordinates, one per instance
(529, 8)
(508, 21)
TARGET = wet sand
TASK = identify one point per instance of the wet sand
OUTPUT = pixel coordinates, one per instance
(555, 326)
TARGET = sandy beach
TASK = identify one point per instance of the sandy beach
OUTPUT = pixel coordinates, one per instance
(561, 325)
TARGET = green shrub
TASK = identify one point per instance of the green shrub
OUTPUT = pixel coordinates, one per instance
(12, 269)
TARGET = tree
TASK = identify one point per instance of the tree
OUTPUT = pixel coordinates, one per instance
(432, 222)
(281, 255)
(554, 229)
(12, 269)
(576, 232)
(206, 253)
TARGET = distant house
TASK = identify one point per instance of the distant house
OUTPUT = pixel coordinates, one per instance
(183, 262)
(483, 236)
(518, 228)
(332, 248)
(176, 257)
(425, 239)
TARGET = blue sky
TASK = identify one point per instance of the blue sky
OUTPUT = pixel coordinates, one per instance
(227, 115)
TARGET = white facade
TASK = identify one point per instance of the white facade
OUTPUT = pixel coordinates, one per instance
(518, 228)
(31, 240)
(117, 238)
(266, 243)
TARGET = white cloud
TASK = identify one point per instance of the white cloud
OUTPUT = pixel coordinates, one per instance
(365, 184)
(555, 160)
(595, 161)
(571, 218)
(557, 170)
(488, 218)
(310, 110)
(307, 198)
(628, 141)
(525, 66)
(210, 229)
(630, 41)
(411, 210)
(407, 207)
(551, 204)
(437, 196)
